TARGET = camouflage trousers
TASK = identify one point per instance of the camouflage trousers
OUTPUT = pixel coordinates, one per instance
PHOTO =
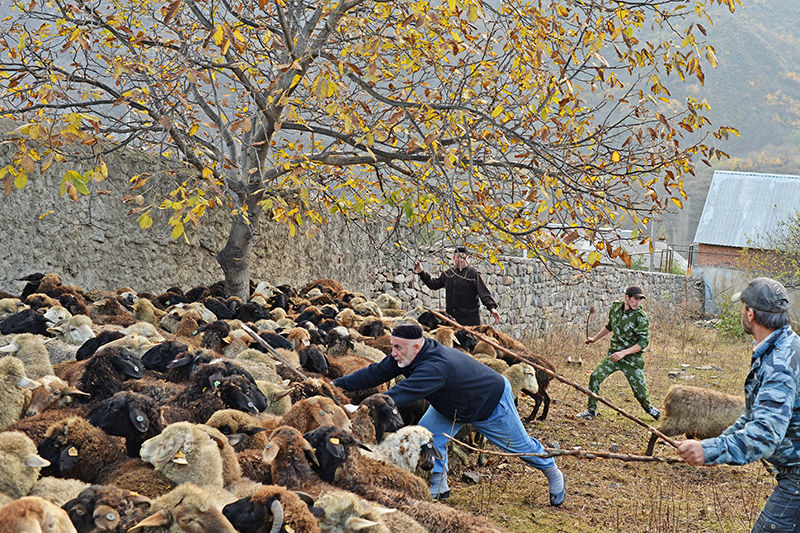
(633, 368)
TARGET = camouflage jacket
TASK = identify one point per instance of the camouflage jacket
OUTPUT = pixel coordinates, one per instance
(770, 425)
(629, 327)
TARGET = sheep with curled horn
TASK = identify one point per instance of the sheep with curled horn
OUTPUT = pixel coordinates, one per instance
(271, 509)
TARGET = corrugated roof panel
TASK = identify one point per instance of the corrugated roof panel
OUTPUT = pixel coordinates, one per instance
(742, 207)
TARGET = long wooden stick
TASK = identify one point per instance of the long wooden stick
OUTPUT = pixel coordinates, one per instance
(575, 452)
(273, 352)
(552, 374)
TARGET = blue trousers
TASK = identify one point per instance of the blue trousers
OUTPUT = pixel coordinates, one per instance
(503, 428)
(781, 513)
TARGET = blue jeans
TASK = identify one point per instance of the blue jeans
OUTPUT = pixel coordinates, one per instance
(503, 428)
(781, 513)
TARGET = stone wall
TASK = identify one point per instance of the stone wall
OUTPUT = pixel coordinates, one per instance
(533, 299)
(94, 243)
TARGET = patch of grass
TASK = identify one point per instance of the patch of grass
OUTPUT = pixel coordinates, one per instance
(610, 496)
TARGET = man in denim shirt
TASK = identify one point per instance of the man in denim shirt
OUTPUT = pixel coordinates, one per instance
(770, 425)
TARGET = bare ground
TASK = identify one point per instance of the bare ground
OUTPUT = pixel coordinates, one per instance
(611, 495)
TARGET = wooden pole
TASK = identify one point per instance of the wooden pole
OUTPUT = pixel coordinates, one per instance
(273, 352)
(552, 374)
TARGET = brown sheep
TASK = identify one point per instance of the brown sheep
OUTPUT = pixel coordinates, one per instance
(314, 412)
(32, 513)
(698, 412)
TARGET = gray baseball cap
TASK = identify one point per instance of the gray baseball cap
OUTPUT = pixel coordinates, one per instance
(764, 294)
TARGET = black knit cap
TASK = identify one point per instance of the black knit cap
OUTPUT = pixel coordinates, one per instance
(461, 250)
(407, 331)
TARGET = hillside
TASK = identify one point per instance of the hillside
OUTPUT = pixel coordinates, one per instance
(755, 89)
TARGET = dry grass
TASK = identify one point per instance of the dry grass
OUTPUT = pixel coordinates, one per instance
(606, 495)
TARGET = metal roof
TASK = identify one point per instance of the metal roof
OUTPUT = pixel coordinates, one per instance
(742, 207)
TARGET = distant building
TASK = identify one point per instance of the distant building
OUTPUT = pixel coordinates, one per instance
(740, 210)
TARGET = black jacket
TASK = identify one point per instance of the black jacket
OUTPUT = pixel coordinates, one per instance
(454, 383)
(462, 288)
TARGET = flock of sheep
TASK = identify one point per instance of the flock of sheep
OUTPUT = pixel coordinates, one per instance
(166, 413)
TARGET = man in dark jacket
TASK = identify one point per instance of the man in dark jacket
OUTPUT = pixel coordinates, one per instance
(461, 391)
(463, 287)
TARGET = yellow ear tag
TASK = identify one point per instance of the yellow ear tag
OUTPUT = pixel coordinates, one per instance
(180, 459)
(288, 529)
(73, 452)
(334, 440)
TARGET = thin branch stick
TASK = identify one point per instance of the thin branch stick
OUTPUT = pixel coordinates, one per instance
(552, 374)
(272, 352)
(575, 452)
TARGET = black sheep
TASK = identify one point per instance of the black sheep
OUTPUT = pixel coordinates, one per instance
(161, 355)
(466, 340)
(88, 348)
(429, 320)
(106, 508)
(32, 285)
(26, 321)
(182, 367)
(197, 294)
(214, 335)
(207, 375)
(311, 314)
(128, 414)
(221, 308)
(274, 340)
(313, 359)
(251, 312)
(278, 299)
(104, 372)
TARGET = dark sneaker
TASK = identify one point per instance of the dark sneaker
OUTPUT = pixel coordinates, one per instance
(655, 413)
(446, 494)
(588, 414)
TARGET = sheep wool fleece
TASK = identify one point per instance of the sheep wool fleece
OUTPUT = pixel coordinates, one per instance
(629, 328)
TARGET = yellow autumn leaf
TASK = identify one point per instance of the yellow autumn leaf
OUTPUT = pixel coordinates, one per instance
(563, 11)
(593, 258)
(145, 221)
(177, 231)
(677, 202)
(219, 35)
(193, 129)
(615, 156)
(711, 56)
(497, 111)
(102, 171)
(20, 180)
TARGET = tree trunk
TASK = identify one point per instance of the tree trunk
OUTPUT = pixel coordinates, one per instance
(234, 258)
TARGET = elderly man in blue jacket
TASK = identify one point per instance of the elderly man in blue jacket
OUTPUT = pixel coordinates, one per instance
(770, 425)
(460, 390)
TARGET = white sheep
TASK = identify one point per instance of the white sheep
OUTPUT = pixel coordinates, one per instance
(10, 306)
(15, 390)
(346, 512)
(522, 378)
(186, 504)
(29, 349)
(19, 464)
(76, 330)
(409, 447)
(698, 412)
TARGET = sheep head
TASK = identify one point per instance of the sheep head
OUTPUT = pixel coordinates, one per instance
(383, 413)
(52, 392)
(32, 513)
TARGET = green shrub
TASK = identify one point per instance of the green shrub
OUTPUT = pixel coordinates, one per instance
(730, 320)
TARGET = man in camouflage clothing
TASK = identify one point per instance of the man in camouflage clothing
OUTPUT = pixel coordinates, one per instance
(631, 335)
(770, 425)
